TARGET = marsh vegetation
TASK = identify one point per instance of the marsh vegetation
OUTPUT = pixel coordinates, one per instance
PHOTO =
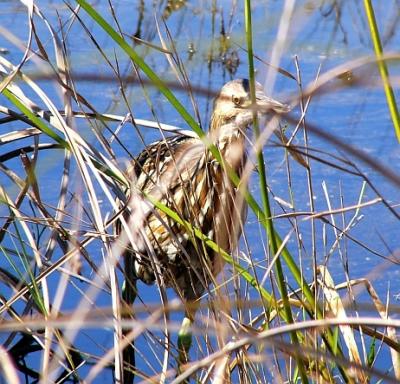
(310, 293)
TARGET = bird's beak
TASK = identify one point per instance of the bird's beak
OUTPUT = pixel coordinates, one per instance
(266, 104)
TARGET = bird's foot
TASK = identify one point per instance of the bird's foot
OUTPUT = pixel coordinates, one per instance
(184, 343)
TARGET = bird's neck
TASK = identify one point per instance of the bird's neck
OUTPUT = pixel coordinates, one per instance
(223, 129)
(228, 137)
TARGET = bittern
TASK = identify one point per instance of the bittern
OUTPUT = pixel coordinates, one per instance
(183, 174)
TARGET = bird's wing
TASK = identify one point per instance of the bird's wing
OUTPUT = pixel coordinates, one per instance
(174, 172)
(170, 170)
(153, 160)
(167, 164)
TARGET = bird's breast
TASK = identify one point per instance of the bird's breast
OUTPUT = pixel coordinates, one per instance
(233, 152)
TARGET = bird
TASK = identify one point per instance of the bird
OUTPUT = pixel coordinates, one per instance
(182, 173)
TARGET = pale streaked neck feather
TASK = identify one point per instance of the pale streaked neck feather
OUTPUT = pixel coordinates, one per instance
(223, 129)
(228, 136)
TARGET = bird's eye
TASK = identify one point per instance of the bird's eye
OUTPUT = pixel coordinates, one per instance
(236, 100)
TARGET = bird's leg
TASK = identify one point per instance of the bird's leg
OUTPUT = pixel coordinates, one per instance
(185, 334)
(129, 294)
(184, 342)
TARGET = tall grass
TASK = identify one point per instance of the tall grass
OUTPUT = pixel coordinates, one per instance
(383, 69)
(63, 187)
(273, 239)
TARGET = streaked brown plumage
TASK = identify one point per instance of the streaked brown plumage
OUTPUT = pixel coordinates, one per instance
(181, 173)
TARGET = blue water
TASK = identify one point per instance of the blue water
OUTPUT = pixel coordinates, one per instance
(358, 115)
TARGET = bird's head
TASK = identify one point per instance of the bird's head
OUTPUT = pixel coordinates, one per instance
(233, 107)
